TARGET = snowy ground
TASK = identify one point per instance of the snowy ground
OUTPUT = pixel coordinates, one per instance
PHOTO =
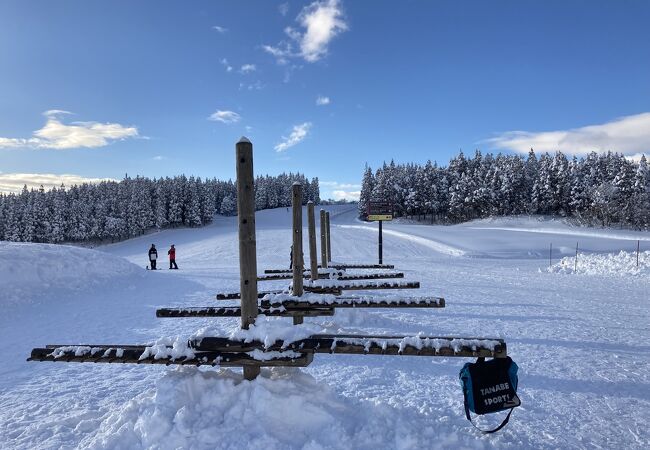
(581, 341)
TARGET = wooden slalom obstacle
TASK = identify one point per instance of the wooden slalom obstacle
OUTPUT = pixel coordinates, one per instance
(226, 352)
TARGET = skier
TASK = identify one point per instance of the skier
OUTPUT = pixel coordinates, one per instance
(172, 257)
(153, 256)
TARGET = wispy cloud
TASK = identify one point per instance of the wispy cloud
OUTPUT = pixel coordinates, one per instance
(14, 182)
(283, 8)
(248, 68)
(322, 101)
(225, 116)
(220, 29)
(628, 135)
(224, 62)
(257, 86)
(60, 136)
(298, 134)
(320, 22)
(159, 158)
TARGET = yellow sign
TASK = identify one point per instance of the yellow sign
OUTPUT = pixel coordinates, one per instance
(372, 217)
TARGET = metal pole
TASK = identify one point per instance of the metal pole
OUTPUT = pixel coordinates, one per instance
(550, 254)
(381, 259)
(313, 251)
(329, 242)
(323, 240)
(575, 266)
(247, 244)
(637, 253)
(296, 203)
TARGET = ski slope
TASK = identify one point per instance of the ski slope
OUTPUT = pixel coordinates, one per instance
(581, 341)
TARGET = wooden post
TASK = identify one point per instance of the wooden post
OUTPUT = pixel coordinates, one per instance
(637, 252)
(247, 245)
(313, 252)
(323, 240)
(550, 255)
(575, 266)
(329, 242)
(381, 245)
(296, 203)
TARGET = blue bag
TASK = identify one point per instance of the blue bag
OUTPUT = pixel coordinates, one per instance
(490, 386)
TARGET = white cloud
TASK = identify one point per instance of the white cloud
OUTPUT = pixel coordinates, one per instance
(284, 8)
(225, 63)
(257, 86)
(247, 68)
(628, 135)
(220, 29)
(225, 116)
(346, 195)
(297, 135)
(159, 158)
(57, 135)
(339, 186)
(321, 22)
(321, 101)
(14, 182)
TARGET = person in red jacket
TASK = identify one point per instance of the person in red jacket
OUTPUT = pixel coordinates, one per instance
(172, 257)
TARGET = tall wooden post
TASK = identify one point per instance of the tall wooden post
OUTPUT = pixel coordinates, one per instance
(637, 252)
(575, 266)
(313, 252)
(323, 240)
(329, 242)
(247, 245)
(297, 261)
(381, 244)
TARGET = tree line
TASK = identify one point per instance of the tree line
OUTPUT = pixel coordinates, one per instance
(113, 210)
(600, 189)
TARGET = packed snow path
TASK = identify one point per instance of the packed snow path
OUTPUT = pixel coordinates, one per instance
(581, 342)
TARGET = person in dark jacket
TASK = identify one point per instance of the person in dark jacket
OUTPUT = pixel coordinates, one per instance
(153, 256)
(172, 257)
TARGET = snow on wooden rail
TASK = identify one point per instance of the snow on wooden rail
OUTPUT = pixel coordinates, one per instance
(340, 277)
(219, 351)
(134, 354)
(340, 266)
(235, 311)
(323, 286)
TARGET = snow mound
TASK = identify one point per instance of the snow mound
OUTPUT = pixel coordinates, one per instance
(613, 264)
(281, 409)
(32, 272)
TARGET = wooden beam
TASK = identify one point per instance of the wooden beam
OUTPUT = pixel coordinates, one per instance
(313, 252)
(363, 287)
(133, 355)
(323, 240)
(432, 302)
(362, 266)
(374, 345)
(237, 295)
(247, 244)
(329, 234)
(298, 263)
(235, 311)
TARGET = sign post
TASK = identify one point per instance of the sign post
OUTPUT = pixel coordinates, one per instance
(379, 211)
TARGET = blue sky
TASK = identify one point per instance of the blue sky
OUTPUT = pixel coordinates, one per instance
(100, 89)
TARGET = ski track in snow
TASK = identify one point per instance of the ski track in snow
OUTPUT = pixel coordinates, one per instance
(582, 344)
(433, 245)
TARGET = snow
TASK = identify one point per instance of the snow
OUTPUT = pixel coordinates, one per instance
(580, 340)
(621, 264)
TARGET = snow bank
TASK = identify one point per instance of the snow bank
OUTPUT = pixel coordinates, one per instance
(614, 264)
(283, 408)
(30, 272)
